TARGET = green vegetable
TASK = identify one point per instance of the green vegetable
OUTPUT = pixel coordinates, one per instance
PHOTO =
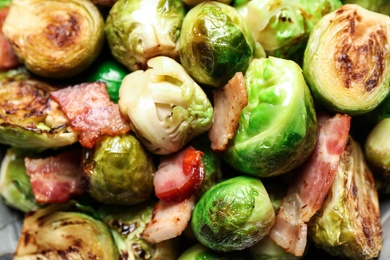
(347, 60)
(5, 3)
(55, 39)
(142, 29)
(267, 249)
(215, 43)
(15, 186)
(165, 106)
(127, 224)
(348, 224)
(118, 170)
(278, 128)
(379, 6)
(200, 252)
(233, 215)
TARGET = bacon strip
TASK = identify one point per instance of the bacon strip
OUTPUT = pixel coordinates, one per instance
(90, 112)
(8, 58)
(228, 104)
(55, 179)
(314, 179)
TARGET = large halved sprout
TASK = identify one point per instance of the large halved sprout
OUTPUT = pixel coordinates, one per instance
(165, 105)
(28, 118)
(278, 128)
(142, 29)
(55, 38)
(348, 224)
(347, 60)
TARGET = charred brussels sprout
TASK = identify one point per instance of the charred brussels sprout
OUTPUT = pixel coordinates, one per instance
(127, 224)
(55, 39)
(200, 252)
(118, 170)
(142, 29)
(55, 232)
(15, 186)
(347, 60)
(215, 43)
(165, 106)
(233, 215)
(379, 6)
(283, 27)
(28, 118)
(278, 128)
(348, 224)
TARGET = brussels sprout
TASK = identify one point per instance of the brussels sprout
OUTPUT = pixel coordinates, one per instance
(347, 60)
(267, 249)
(15, 186)
(377, 151)
(233, 215)
(379, 6)
(28, 118)
(200, 252)
(55, 39)
(195, 2)
(348, 224)
(118, 170)
(282, 27)
(278, 128)
(142, 29)
(215, 43)
(126, 225)
(165, 105)
(55, 232)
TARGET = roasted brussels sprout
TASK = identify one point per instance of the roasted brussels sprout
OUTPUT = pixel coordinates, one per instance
(348, 224)
(283, 27)
(165, 105)
(233, 215)
(379, 6)
(377, 152)
(215, 43)
(126, 225)
(347, 60)
(278, 128)
(55, 232)
(55, 39)
(198, 251)
(142, 29)
(118, 170)
(28, 118)
(15, 186)
(267, 249)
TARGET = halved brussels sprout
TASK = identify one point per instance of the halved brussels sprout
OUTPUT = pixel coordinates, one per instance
(233, 215)
(127, 224)
(283, 27)
(55, 39)
(165, 105)
(118, 170)
(379, 6)
(215, 43)
(139, 30)
(15, 186)
(347, 60)
(28, 118)
(55, 232)
(348, 224)
(278, 128)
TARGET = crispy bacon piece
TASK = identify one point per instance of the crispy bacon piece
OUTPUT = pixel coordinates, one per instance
(179, 175)
(228, 104)
(313, 181)
(8, 58)
(90, 112)
(169, 220)
(56, 179)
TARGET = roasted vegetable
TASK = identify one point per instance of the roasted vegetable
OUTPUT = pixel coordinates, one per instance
(233, 215)
(198, 251)
(28, 118)
(142, 29)
(15, 186)
(55, 39)
(348, 224)
(118, 170)
(215, 43)
(57, 232)
(379, 6)
(278, 128)
(347, 60)
(165, 105)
